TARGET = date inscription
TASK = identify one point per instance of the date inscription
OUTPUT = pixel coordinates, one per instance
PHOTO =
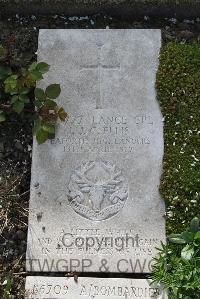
(116, 133)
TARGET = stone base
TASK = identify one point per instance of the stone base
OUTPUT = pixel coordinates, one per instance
(40, 287)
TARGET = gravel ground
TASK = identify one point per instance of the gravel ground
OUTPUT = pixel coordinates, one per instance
(16, 136)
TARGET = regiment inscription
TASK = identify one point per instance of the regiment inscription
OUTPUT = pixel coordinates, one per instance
(104, 133)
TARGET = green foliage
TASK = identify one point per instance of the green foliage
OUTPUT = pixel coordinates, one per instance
(178, 91)
(18, 94)
(7, 287)
(53, 91)
(177, 267)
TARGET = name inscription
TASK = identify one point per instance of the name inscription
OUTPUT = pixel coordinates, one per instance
(103, 133)
(92, 290)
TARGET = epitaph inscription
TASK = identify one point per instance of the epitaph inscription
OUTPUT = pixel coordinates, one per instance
(95, 204)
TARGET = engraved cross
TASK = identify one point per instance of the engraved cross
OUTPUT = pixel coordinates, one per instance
(99, 67)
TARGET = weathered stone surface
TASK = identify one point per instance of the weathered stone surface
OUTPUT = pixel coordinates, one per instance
(94, 203)
(98, 288)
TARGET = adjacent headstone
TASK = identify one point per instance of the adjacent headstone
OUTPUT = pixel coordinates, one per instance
(95, 204)
(98, 288)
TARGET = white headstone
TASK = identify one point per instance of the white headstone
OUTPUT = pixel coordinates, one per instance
(85, 288)
(95, 203)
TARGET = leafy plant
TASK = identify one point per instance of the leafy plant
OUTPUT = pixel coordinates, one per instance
(178, 92)
(7, 287)
(19, 94)
(177, 265)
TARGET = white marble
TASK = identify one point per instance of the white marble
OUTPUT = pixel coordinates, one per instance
(95, 204)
